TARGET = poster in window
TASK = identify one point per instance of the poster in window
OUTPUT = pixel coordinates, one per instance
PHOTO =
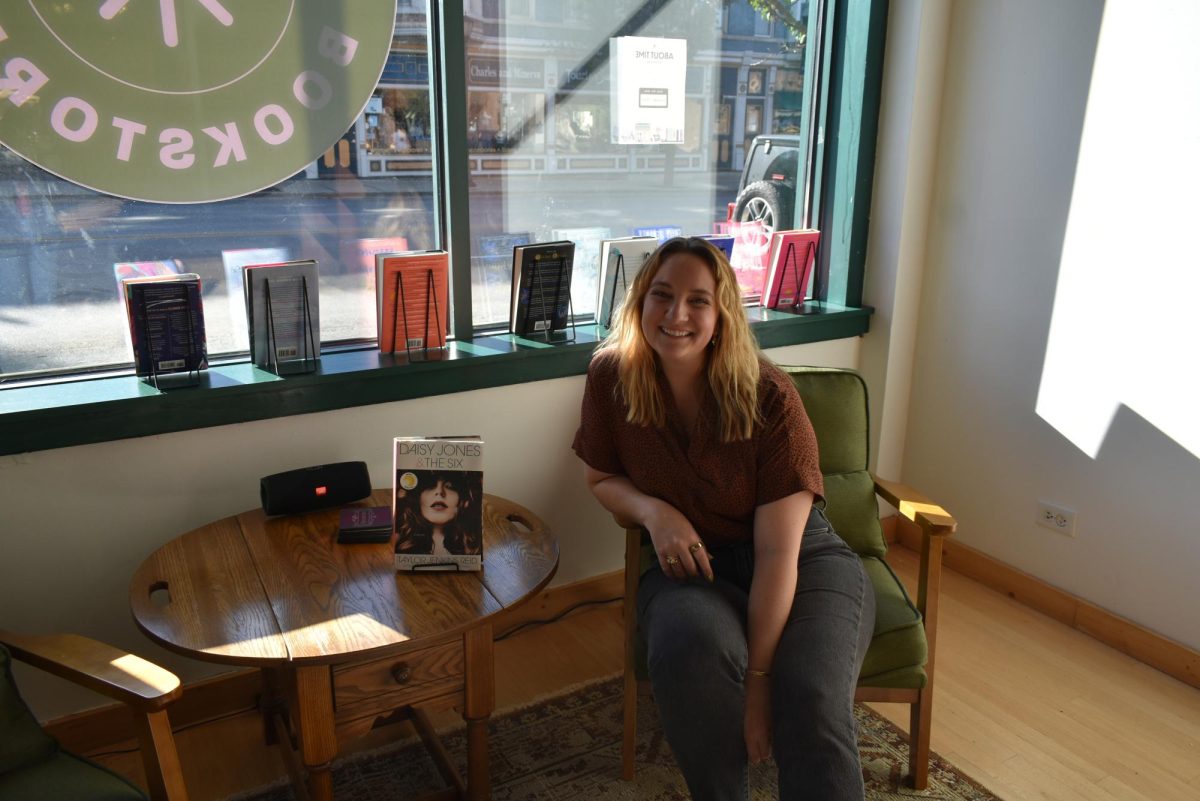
(647, 90)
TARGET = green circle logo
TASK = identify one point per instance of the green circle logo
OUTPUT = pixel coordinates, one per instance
(185, 101)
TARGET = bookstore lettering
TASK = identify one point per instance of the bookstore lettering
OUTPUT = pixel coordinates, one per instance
(185, 102)
(76, 119)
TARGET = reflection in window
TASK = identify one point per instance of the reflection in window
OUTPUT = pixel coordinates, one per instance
(528, 79)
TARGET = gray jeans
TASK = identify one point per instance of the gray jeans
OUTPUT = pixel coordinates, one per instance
(696, 640)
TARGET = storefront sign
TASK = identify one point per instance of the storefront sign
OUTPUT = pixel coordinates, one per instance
(511, 72)
(647, 93)
(185, 101)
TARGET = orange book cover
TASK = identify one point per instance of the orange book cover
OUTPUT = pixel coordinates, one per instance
(412, 291)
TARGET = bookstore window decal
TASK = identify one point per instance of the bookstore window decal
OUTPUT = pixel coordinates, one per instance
(185, 101)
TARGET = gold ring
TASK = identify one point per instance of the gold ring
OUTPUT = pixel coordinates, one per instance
(695, 546)
(672, 560)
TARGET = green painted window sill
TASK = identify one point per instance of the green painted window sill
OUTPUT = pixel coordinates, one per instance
(82, 411)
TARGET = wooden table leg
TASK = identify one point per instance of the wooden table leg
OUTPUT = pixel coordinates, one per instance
(480, 692)
(313, 706)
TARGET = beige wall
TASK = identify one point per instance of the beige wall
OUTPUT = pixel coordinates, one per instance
(78, 521)
(1017, 79)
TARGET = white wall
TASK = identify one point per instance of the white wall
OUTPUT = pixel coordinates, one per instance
(78, 521)
(1017, 80)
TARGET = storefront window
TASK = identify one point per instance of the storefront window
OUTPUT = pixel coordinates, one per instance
(64, 248)
(582, 182)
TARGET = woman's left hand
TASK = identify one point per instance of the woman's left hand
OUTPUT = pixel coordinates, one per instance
(758, 719)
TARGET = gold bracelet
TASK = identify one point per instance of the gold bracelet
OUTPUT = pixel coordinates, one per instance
(758, 674)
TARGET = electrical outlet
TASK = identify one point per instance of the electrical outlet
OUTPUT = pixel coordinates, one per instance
(1056, 518)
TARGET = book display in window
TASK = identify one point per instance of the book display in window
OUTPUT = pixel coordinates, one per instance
(166, 325)
(541, 288)
(620, 262)
(660, 232)
(723, 243)
(793, 254)
(412, 295)
(585, 266)
(437, 503)
(234, 262)
(283, 314)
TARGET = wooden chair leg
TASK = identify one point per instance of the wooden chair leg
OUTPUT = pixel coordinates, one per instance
(919, 725)
(629, 733)
(164, 777)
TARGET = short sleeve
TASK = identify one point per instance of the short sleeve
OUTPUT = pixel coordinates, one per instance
(595, 441)
(788, 460)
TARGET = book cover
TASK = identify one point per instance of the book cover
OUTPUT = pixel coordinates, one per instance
(437, 503)
(793, 254)
(723, 242)
(283, 314)
(412, 296)
(166, 324)
(620, 262)
(541, 287)
(365, 524)
(751, 249)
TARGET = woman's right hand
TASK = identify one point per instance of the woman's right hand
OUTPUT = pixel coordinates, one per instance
(681, 553)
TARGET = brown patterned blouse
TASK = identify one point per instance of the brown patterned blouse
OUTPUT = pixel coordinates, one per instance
(716, 485)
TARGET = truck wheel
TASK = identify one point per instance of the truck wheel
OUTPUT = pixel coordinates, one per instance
(761, 202)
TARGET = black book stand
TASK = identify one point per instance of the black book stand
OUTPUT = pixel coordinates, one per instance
(308, 362)
(400, 316)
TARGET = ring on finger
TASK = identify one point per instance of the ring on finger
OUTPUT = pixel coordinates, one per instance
(672, 560)
(695, 546)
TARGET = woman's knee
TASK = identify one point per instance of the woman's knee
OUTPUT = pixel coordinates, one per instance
(694, 635)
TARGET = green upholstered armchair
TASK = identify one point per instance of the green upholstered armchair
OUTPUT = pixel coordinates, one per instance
(31, 763)
(899, 664)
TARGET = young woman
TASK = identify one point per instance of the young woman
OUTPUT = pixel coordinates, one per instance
(754, 641)
(430, 514)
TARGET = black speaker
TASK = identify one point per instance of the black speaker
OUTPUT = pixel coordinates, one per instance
(311, 488)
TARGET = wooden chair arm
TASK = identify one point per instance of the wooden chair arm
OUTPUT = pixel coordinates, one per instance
(110, 671)
(932, 519)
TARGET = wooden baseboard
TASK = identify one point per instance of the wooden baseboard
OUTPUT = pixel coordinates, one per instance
(1173, 658)
(111, 726)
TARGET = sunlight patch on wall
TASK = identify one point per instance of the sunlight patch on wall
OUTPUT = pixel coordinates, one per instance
(1122, 331)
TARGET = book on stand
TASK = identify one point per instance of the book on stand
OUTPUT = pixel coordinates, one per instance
(541, 288)
(412, 296)
(723, 243)
(283, 315)
(166, 324)
(790, 267)
(620, 261)
(437, 503)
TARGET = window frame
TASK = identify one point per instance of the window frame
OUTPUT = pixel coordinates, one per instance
(85, 409)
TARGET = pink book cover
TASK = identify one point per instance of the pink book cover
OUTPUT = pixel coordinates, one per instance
(793, 255)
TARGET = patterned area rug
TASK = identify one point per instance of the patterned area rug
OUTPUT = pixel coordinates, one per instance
(569, 747)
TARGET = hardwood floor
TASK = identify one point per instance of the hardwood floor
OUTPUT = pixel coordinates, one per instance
(1028, 707)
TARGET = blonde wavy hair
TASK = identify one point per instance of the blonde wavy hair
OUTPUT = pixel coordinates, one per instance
(733, 358)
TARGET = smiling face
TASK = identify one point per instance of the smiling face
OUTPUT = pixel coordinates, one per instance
(439, 503)
(679, 313)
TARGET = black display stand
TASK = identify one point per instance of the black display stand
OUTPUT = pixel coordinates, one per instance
(546, 332)
(400, 306)
(612, 298)
(308, 363)
(790, 260)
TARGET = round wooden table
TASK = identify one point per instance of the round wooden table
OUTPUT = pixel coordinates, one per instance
(341, 637)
